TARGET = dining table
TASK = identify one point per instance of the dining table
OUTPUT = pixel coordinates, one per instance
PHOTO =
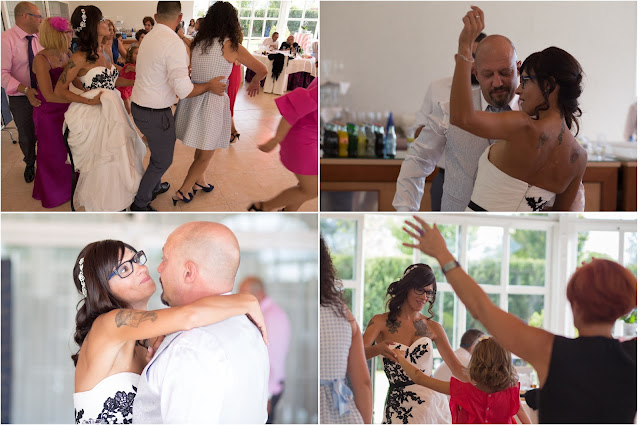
(292, 65)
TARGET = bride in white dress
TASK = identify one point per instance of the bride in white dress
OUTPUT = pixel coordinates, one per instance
(404, 327)
(105, 145)
(113, 327)
(536, 159)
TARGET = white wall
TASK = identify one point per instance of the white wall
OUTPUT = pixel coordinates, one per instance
(131, 12)
(392, 50)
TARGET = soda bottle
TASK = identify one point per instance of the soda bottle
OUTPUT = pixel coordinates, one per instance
(390, 140)
(343, 141)
(362, 142)
(353, 140)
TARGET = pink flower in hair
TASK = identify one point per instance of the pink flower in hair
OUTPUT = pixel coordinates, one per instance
(59, 24)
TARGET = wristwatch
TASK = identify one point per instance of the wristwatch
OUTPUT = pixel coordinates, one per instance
(450, 266)
(25, 90)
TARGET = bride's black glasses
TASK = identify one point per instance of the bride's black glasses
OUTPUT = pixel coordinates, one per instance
(422, 291)
(523, 80)
(126, 268)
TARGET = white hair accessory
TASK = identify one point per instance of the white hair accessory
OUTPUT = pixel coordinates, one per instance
(482, 338)
(83, 24)
(81, 274)
(415, 266)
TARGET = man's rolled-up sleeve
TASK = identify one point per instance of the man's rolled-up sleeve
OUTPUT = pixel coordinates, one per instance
(422, 156)
(178, 70)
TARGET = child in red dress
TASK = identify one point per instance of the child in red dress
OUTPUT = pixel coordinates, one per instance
(128, 72)
(492, 396)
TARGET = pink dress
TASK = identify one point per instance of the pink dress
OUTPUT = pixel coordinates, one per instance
(470, 405)
(299, 149)
(125, 92)
(235, 80)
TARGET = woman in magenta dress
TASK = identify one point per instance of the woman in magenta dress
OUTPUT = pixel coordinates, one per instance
(297, 135)
(52, 185)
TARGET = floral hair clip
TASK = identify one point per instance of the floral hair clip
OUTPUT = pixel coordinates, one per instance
(415, 266)
(81, 277)
(83, 24)
(59, 24)
(482, 338)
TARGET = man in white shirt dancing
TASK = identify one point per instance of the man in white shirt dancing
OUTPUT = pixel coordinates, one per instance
(216, 374)
(162, 73)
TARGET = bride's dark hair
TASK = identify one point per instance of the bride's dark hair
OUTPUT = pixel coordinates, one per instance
(100, 259)
(415, 276)
(554, 67)
(87, 36)
(220, 22)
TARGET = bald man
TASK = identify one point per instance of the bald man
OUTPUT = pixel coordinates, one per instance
(213, 374)
(279, 331)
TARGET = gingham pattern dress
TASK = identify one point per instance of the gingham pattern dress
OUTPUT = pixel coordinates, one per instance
(204, 122)
(335, 342)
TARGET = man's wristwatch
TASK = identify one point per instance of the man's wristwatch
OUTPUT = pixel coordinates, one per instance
(450, 266)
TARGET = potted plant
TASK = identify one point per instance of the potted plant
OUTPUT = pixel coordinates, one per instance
(630, 325)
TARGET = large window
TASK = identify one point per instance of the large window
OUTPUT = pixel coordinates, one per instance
(261, 18)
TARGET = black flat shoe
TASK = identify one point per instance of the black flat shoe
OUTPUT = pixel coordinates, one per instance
(183, 199)
(254, 207)
(134, 208)
(29, 173)
(164, 186)
(207, 189)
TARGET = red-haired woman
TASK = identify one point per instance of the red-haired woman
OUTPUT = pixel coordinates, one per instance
(591, 378)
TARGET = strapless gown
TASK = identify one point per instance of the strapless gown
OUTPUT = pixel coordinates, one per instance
(494, 190)
(109, 402)
(105, 145)
(409, 403)
(52, 185)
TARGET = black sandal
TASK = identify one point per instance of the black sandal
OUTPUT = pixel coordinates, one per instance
(254, 207)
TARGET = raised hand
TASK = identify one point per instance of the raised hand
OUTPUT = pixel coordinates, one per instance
(473, 26)
(428, 238)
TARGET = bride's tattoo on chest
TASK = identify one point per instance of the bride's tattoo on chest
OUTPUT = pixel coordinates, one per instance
(393, 326)
(134, 318)
(421, 328)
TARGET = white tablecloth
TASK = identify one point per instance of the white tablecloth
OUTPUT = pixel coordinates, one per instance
(290, 66)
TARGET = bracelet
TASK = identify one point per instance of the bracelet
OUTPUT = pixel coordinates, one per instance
(450, 266)
(25, 90)
(465, 58)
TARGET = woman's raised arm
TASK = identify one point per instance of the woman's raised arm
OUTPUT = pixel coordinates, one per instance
(123, 325)
(532, 344)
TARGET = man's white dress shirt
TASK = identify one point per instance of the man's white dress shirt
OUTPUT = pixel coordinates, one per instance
(425, 152)
(269, 42)
(216, 374)
(162, 70)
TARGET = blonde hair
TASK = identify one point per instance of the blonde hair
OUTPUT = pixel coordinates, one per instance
(51, 38)
(491, 366)
(130, 52)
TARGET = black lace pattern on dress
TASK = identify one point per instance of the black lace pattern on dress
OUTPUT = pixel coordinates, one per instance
(400, 400)
(116, 410)
(535, 205)
(104, 80)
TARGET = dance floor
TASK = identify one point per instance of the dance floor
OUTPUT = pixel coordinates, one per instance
(241, 174)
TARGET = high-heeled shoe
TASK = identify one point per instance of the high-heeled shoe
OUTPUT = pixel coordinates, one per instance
(255, 207)
(207, 189)
(234, 136)
(183, 199)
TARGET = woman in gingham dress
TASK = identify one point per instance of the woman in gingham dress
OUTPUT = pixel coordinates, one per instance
(204, 122)
(341, 352)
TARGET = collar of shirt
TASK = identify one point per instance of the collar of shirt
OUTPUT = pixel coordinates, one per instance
(513, 104)
(21, 33)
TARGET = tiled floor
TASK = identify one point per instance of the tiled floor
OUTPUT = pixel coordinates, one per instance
(241, 174)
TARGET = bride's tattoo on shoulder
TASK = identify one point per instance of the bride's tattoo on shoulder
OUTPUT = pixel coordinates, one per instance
(134, 318)
(63, 76)
(561, 133)
(421, 328)
(542, 139)
(370, 323)
(393, 326)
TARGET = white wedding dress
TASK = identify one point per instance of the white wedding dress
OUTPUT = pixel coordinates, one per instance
(409, 403)
(109, 402)
(105, 145)
(494, 190)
